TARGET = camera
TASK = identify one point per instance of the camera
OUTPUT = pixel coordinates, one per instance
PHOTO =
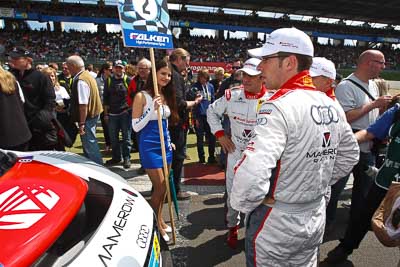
(396, 218)
(371, 171)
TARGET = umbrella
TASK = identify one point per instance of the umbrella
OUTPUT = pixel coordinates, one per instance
(173, 192)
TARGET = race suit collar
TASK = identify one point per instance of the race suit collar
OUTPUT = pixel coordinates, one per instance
(250, 95)
(331, 93)
(301, 81)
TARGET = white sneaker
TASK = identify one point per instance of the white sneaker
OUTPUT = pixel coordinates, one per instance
(165, 237)
(168, 229)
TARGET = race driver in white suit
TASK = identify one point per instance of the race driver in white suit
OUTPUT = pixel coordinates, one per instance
(240, 105)
(305, 145)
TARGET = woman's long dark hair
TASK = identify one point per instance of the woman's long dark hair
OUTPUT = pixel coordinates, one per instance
(104, 66)
(168, 91)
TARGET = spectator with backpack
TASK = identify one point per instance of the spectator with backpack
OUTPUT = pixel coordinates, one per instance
(118, 112)
(101, 79)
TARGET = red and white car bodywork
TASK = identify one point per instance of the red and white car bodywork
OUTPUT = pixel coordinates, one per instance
(60, 209)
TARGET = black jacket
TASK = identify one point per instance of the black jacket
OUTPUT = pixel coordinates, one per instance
(38, 92)
(180, 90)
(226, 84)
(39, 108)
(14, 130)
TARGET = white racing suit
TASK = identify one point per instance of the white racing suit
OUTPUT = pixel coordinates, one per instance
(301, 145)
(241, 108)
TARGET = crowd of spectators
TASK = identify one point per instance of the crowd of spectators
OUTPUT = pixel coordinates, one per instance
(265, 22)
(109, 11)
(63, 9)
(95, 48)
(55, 46)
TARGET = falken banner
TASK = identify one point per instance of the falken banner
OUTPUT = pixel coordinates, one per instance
(145, 23)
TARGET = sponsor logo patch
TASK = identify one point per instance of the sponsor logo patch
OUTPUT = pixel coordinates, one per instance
(326, 141)
(324, 115)
(25, 159)
(248, 133)
(259, 104)
(116, 230)
(22, 207)
(325, 154)
(266, 111)
(143, 236)
(262, 121)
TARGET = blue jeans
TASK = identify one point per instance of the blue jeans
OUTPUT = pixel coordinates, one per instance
(89, 142)
(121, 122)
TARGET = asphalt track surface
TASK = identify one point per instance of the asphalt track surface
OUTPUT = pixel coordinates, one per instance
(201, 232)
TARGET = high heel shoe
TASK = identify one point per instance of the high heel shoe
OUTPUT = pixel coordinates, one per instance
(165, 237)
(168, 229)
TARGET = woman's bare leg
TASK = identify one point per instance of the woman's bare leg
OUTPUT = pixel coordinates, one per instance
(163, 224)
(157, 197)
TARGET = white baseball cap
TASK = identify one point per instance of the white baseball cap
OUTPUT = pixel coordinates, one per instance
(119, 63)
(290, 40)
(323, 67)
(250, 67)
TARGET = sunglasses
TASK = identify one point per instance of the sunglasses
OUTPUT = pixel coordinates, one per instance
(271, 57)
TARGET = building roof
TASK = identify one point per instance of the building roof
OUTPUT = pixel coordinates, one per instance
(385, 11)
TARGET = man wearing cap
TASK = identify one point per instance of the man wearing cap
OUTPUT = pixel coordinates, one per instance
(359, 96)
(39, 99)
(234, 80)
(300, 145)
(85, 107)
(240, 104)
(118, 113)
(323, 74)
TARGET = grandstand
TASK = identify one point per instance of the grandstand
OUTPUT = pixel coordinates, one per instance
(252, 22)
(372, 29)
